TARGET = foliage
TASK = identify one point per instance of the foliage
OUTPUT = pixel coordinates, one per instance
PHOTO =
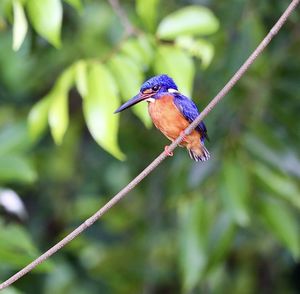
(230, 225)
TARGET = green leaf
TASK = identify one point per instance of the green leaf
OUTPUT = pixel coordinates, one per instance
(17, 248)
(77, 4)
(59, 108)
(16, 168)
(38, 118)
(147, 11)
(281, 185)
(191, 20)
(81, 77)
(129, 78)
(193, 230)
(19, 26)
(177, 64)
(235, 191)
(282, 222)
(199, 48)
(98, 107)
(46, 18)
(59, 116)
(220, 241)
(140, 50)
(14, 139)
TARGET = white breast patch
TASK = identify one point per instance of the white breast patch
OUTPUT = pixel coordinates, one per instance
(150, 100)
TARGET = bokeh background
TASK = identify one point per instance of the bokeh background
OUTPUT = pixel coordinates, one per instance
(230, 225)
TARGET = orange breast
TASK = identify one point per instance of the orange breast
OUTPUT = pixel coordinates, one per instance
(168, 119)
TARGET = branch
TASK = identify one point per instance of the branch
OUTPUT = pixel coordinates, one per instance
(128, 26)
(162, 156)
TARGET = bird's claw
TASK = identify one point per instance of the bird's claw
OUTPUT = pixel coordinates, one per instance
(182, 133)
(168, 152)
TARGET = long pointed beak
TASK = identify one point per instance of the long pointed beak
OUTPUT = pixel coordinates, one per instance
(136, 99)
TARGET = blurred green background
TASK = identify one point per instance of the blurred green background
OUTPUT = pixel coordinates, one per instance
(230, 225)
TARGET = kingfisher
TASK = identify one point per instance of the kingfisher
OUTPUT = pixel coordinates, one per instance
(172, 112)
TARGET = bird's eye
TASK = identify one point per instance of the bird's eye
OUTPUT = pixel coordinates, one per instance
(155, 88)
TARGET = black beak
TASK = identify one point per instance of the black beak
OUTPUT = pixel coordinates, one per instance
(136, 99)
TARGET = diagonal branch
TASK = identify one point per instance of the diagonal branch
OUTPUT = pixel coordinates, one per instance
(162, 156)
(128, 26)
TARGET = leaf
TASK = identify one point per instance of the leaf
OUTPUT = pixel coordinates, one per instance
(129, 79)
(59, 108)
(199, 48)
(235, 191)
(20, 25)
(59, 116)
(46, 18)
(190, 20)
(281, 185)
(14, 139)
(147, 11)
(17, 249)
(193, 232)
(282, 222)
(16, 168)
(98, 107)
(77, 4)
(220, 241)
(140, 50)
(177, 64)
(81, 77)
(38, 118)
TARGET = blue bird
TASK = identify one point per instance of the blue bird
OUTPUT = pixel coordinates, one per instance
(172, 112)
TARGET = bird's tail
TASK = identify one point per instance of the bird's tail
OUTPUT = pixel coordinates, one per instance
(199, 154)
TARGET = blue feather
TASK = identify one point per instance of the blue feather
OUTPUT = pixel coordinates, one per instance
(190, 111)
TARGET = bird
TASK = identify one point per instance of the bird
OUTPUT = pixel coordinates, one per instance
(172, 112)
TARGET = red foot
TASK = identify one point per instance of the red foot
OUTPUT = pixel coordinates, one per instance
(184, 136)
(167, 152)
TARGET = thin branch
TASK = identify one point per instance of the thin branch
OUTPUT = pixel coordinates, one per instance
(161, 157)
(128, 26)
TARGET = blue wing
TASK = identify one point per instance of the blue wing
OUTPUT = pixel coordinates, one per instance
(190, 111)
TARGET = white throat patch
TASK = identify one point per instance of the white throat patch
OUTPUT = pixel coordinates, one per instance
(150, 100)
(170, 90)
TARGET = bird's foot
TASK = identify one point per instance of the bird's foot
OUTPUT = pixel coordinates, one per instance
(182, 133)
(167, 151)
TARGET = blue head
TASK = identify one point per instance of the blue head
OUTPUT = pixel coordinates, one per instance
(152, 88)
(158, 84)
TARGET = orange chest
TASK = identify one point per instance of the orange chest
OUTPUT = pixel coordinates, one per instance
(166, 117)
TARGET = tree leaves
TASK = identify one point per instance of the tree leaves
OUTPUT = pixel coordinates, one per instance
(192, 241)
(199, 48)
(81, 77)
(17, 249)
(20, 25)
(46, 18)
(204, 238)
(140, 50)
(177, 64)
(38, 118)
(16, 168)
(98, 107)
(77, 4)
(59, 109)
(279, 184)
(99, 92)
(15, 164)
(147, 11)
(190, 20)
(235, 191)
(282, 222)
(129, 78)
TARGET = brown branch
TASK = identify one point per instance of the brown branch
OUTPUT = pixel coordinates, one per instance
(161, 157)
(128, 26)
